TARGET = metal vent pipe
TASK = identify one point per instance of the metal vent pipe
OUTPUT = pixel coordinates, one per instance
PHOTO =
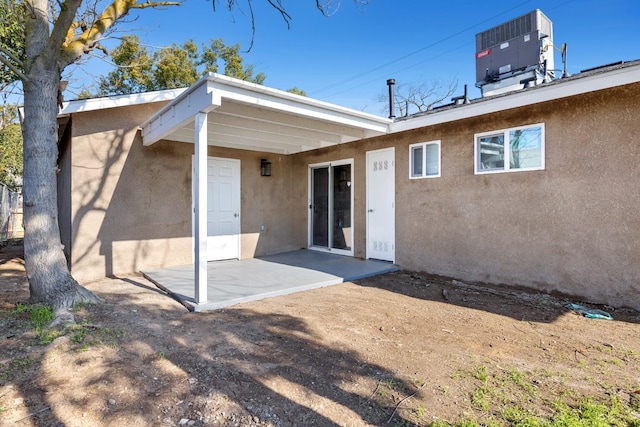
(392, 113)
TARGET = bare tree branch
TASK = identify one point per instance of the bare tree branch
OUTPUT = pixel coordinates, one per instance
(330, 7)
(427, 95)
(277, 4)
(326, 7)
(423, 96)
(253, 26)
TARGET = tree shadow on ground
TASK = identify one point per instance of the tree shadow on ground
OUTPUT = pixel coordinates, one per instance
(248, 356)
(517, 303)
(229, 367)
(18, 356)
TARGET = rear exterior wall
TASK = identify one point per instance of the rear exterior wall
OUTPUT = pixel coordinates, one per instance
(572, 228)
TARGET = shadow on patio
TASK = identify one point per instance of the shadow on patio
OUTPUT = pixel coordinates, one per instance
(233, 282)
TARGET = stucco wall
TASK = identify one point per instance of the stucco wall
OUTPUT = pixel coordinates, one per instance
(128, 207)
(572, 228)
(131, 205)
(264, 201)
(356, 151)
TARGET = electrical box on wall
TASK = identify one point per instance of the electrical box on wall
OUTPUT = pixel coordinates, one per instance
(515, 54)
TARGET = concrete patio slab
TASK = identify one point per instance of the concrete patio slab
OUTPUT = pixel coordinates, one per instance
(233, 282)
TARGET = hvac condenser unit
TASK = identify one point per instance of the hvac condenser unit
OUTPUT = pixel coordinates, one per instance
(515, 54)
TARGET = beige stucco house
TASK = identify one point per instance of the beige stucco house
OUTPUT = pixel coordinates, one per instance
(535, 188)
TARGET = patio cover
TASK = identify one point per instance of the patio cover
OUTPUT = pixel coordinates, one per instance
(227, 112)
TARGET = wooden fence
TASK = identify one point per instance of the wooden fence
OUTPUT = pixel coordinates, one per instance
(10, 214)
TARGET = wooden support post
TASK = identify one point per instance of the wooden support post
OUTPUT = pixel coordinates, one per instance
(200, 208)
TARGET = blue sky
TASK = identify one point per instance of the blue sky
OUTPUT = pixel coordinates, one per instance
(346, 58)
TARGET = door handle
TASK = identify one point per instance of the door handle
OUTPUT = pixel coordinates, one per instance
(235, 215)
(370, 210)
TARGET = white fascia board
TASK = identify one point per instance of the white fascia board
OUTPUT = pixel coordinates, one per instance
(208, 93)
(304, 110)
(199, 98)
(265, 97)
(555, 90)
(93, 104)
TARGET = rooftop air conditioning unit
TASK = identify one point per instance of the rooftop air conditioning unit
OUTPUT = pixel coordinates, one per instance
(515, 54)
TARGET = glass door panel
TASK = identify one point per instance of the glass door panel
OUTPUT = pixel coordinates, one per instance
(341, 218)
(320, 207)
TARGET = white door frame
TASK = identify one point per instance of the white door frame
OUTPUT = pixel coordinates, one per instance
(310, 168)
(193, 198)
(375, 192)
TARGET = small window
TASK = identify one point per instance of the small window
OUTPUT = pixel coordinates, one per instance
(424, 160)
(510, 150)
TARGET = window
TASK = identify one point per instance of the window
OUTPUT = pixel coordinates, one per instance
(424, 160)
(510, 150)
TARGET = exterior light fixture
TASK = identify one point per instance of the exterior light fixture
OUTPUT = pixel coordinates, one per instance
(265, 167)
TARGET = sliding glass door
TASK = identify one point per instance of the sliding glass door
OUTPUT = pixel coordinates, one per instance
(330, 207)
(320, 207)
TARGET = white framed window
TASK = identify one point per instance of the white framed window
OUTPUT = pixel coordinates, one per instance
(510, 150)
(424, 160)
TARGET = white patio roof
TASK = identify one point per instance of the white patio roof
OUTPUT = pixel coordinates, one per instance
(248, 116)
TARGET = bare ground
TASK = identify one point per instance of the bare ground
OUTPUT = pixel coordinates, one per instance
(398, 349)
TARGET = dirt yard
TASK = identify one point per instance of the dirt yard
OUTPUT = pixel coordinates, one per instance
(399, 349)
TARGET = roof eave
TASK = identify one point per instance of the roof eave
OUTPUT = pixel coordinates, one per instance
(93, 104)
(219, 88)
(556, 90)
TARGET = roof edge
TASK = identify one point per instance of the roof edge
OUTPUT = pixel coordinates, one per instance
(577, 84)
(240, 91)
(278, 93)
(93, 104)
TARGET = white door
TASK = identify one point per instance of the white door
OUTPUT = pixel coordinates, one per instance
(223, 209)
(381, 217)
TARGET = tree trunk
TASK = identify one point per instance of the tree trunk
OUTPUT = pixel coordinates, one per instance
(50, 281)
